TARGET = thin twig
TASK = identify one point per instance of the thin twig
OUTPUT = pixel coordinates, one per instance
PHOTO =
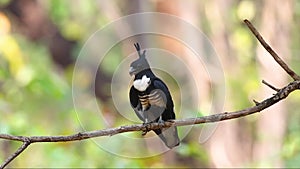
(255, 102)
(271, 51)
(16, 154)
(270, 86)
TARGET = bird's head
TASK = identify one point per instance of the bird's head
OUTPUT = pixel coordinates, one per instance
(140, 64)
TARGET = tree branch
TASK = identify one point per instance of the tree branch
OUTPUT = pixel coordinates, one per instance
(271, 51)
(270, 86)
(259, 106)
(13, 156)
(27, 140)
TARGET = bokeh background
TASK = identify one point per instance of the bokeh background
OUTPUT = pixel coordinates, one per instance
(39, 43)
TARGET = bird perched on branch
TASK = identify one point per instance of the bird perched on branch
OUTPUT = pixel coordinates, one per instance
(151, 99)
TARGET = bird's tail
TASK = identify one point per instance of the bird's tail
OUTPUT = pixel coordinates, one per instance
(169, 136)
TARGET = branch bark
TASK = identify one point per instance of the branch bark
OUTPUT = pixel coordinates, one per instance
(13, 156)
(271, 51)
(270, 86)
(259, 106)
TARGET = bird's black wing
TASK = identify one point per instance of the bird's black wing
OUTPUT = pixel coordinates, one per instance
(169, 113)
(135, 103)
(168, 135)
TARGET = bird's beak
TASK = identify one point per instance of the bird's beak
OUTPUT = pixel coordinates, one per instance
(131, 71)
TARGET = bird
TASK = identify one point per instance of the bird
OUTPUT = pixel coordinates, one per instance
(151, 100)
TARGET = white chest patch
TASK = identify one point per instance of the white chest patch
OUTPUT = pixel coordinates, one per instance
(142, 84)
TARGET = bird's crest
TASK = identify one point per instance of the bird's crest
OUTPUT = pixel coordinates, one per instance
(138, 49)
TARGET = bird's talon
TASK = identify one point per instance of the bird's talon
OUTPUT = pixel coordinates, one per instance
(146, 125)
(144, 133)
(161, 123)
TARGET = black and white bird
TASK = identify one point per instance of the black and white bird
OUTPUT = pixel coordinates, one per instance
(151, 100)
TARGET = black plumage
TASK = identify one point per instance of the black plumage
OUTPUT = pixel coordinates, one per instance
(151, 99)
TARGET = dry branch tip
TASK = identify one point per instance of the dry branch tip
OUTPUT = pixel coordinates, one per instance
(256, 102)
(275, 56)
(270, 86)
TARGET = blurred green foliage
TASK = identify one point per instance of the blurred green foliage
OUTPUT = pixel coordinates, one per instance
(36, 94)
